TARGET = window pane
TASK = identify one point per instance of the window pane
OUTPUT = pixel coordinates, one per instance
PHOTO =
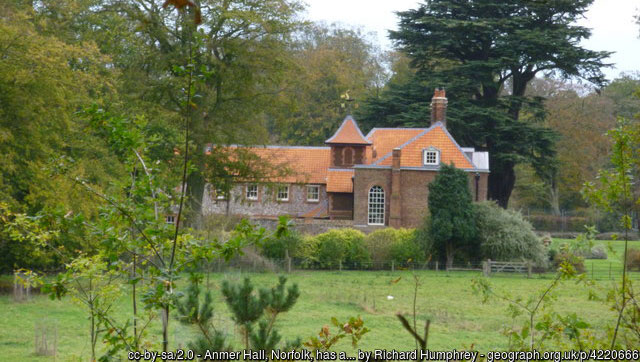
(431, 157)
(376, 206)
(283, 193)
(313, 193)
(252, 192)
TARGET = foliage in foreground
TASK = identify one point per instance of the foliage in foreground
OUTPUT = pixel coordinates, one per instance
(249, 308)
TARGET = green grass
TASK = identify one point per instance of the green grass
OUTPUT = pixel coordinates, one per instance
(459, 318)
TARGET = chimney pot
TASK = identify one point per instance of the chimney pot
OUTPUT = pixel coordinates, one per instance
(439, 107)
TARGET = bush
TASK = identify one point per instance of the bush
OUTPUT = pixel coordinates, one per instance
(406, 247)
(633, 259)
(379, 243)
(341, 245)
(307, 252)
(389, 244)
(598, 252)
(506, 235)
(276, 248)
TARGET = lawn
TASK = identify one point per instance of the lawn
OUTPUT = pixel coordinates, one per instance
(459, 318)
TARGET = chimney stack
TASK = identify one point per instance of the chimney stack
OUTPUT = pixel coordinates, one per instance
(439, 107)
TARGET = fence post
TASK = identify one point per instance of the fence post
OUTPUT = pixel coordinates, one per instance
(485, 268)
(529, 268)
(393, 265)
(436, 265)
(488, 267)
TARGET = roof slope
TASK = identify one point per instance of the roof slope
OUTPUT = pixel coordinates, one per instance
(304, 164)
(384, 140)
(348, 133)
(435, 136)
(340, 180)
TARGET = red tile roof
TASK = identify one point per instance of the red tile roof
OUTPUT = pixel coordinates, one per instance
(435, 136)
(348, 133)
(304, 164)
(340, 180)
(386, 139)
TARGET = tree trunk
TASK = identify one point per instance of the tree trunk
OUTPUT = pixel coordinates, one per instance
(195, 192)
(502, 179)
(450, 254)
(555, 197)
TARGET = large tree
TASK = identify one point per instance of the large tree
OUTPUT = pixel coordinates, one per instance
(330, 61)
(485, 53)
(44, 81)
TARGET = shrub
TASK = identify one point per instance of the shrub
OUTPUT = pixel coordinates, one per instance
(379, 243)
(633, 259)
(506, 235)
(598, 252)
(307, 252)
(276, 248)
(406, 247)
(389, 244)
(341, 245)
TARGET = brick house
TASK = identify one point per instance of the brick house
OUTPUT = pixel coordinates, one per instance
(375, 180)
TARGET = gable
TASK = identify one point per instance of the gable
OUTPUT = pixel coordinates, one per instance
(384, 140)
(436, 137)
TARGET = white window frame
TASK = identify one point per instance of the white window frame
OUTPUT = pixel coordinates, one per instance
(430, 150)
(375, 205)
(316, 192)
(170, 219)
(280, 195)
(249, 192)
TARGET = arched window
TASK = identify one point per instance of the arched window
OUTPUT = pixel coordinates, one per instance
(348, 155)
(376, 206)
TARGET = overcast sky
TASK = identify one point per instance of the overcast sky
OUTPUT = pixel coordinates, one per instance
(612, 23)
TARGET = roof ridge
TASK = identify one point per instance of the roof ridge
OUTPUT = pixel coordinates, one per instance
(374, 129)
(292, 147)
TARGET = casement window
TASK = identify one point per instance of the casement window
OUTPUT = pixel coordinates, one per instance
(376, 206)
(313, 193)
(431, 156)
(252, 192)
(283, 193)
(170, 219)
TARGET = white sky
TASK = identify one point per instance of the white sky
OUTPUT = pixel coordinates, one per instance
(612, 23)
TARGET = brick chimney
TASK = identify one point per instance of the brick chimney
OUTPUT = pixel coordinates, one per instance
(439, 107)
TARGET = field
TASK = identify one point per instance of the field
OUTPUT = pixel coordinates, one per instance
(459, 318)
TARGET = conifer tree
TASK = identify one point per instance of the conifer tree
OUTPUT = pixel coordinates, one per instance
(452, 225)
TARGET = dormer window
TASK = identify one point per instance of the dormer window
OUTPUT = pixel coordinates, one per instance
(431, 157)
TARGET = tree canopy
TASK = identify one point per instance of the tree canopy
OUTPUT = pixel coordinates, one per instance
(485, 53)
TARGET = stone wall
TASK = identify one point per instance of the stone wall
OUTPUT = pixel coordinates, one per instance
(265, 206)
